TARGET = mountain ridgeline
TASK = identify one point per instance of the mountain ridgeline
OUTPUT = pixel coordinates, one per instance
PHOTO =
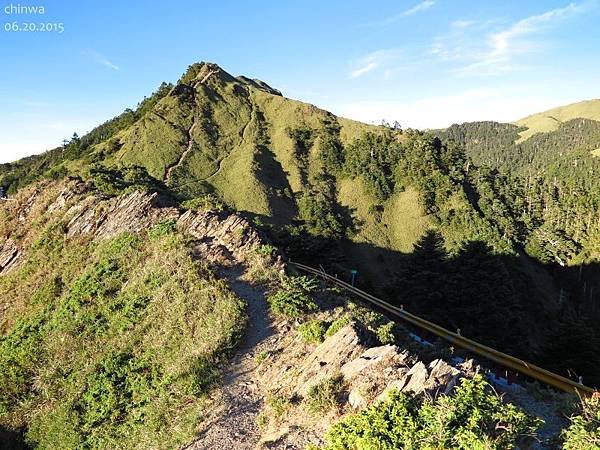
(474, 227)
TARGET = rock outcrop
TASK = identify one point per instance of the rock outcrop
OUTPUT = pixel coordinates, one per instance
(221, 237)
(370, 372)
(373, 370)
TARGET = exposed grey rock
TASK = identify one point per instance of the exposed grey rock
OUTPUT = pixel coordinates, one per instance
(221, 237)
(328, 358)
(417, 376)
(9, 255)
(356, 399)
(442, 378)
(369, 358)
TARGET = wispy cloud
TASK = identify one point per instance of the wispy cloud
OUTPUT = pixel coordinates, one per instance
(101, 59)
(462, 23)
(419, 7)
(372, 61)
(499, 50)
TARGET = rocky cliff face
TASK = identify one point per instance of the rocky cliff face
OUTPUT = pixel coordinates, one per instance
(366, 371)
(84, 212)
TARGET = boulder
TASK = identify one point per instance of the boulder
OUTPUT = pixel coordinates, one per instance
(417, 377)
(328, 358)
(368, 359)
(356, 399)
(442, 377)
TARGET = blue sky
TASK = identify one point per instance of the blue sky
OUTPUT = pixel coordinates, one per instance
(426, 63)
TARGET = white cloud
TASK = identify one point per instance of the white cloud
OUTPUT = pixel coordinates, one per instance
(481, 52)
(373, 61)
(101, 59)
(462, 23)
(506, 44)
(504, 105)
(419, 7)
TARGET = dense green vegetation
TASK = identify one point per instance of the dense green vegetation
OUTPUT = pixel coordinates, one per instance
(472, 418)
(584, 430)
(291, 298)
(111, 344)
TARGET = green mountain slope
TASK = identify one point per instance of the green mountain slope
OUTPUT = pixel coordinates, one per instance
(109, 336)
(212, 128)
(435, 222)
(550, 120)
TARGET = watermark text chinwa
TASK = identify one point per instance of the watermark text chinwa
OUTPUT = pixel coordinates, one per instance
(18, 9)
(16, 13)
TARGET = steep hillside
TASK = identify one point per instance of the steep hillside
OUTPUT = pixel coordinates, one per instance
(123, 253)
(112, 321)
(423, 219)
(212, 128)
(118, 315)
(550, 120)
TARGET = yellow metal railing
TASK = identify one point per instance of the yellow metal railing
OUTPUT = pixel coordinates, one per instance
(507, 361)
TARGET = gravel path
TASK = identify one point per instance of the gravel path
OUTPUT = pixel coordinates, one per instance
(234, 426)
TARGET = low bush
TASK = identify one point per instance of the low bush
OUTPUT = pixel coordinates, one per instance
(278, 405)
(204, 203)
(385, 333)
(584, 431)
(313, 331)
(292, 298)
(337, 325)
(472, 418)
(164, 228)
(326, 394)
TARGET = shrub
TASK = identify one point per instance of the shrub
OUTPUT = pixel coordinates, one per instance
(584, 431)
(116, 182)
(292, 299)
(385, 333)
(313, 331)
(163, 228)
(262, 356)
(473, 418)
(266, 250)
(205, 202)
(326, 394)
(278, 405)
(337, 325)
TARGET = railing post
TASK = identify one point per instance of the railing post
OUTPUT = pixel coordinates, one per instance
(509, 377)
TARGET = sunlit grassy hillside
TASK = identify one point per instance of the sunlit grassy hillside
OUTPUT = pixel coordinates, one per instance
(550, 120)
(109, 344)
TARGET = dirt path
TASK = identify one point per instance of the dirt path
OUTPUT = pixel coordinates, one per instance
(190, 143)
(190, 137)
(234, 424)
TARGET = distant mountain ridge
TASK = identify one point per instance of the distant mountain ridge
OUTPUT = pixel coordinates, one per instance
(551, 119)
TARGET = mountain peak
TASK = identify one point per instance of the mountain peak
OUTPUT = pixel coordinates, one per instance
(258, 84)
(202, 70)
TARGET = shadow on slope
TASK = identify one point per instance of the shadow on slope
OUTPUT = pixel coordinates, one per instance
(12, 440)
(491, 298)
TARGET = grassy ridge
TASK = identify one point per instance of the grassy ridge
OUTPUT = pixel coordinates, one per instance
(550, 120)
(111, 345)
